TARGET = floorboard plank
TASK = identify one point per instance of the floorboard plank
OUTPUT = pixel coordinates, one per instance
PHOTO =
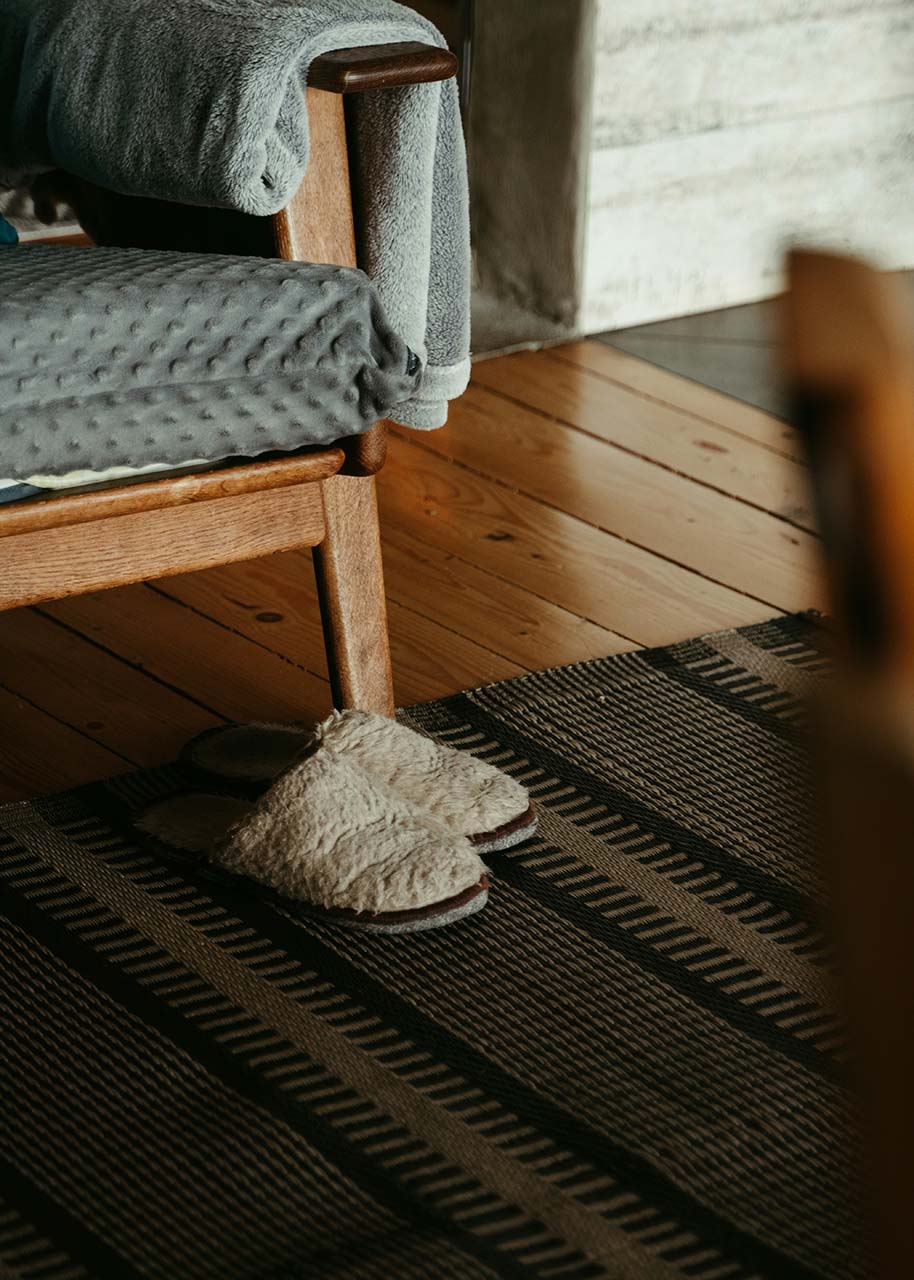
(682, 393)
(543, 550)
(274, 602)
(222, 671)
(441, 662)
(110, 702)
(531, 631)
(660, 433)
(604, 517)
(731, 543)
(38, 753)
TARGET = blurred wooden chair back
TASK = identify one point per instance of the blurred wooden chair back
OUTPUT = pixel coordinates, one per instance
(848, 362)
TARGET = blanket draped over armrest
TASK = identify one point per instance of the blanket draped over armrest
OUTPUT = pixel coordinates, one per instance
(133, 358)
(201, 102)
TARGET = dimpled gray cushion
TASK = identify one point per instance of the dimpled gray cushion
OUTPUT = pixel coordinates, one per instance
(200, 102)
(125, 358)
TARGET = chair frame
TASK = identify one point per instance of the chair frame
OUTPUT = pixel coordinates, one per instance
(848, 362)
(321, 498)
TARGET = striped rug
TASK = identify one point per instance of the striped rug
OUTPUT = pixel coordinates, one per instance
(627, 1066)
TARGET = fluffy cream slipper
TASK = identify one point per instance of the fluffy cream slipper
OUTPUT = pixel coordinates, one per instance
(470, 797)
(326, 839)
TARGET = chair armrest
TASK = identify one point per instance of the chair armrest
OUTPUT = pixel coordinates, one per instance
(380, 66)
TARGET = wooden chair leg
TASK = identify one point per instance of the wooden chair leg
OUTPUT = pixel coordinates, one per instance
(350, 584)
(317, 226)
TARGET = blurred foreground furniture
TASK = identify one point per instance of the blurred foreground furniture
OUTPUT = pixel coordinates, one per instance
(848, 358)
(324, 499)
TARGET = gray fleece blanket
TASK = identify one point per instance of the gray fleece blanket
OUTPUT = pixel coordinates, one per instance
(200, 101)
(128, 359)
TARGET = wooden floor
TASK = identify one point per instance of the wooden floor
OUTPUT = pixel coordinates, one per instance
(581, 502)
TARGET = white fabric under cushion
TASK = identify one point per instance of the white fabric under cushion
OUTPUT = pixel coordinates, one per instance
(45, 486)
(75, 479)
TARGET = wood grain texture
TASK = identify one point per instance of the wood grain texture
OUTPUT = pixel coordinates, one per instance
(442, 659)
(688, 524)
(157, 495)
(505, 618)
(39, 752)
(468, 611)
(272, 601)
(58, 562)
(350, 582)
(380, 66)
(661, 433)
(544, 550)
(429, 658)
(659, 386)
(223, 672)
(316, 225)
(95, 692)
(367, 453)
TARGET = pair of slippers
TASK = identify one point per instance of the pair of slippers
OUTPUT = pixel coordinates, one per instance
(361, 821)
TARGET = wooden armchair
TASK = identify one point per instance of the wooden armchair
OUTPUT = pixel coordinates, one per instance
(323, 498)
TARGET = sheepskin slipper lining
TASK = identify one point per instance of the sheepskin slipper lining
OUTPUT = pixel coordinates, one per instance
(325, 840)
(469, 796)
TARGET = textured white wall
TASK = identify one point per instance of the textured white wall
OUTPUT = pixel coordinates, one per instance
(724, 128)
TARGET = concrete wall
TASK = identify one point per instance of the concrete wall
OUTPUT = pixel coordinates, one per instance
(633, 160)
(724, 128)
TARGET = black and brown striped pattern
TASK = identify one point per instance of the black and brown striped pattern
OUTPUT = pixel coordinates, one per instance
(629, 1065)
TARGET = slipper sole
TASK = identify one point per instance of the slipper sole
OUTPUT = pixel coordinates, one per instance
(508, 835)
(435, 916)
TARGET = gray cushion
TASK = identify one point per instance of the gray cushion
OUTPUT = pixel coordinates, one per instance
(125, 358)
